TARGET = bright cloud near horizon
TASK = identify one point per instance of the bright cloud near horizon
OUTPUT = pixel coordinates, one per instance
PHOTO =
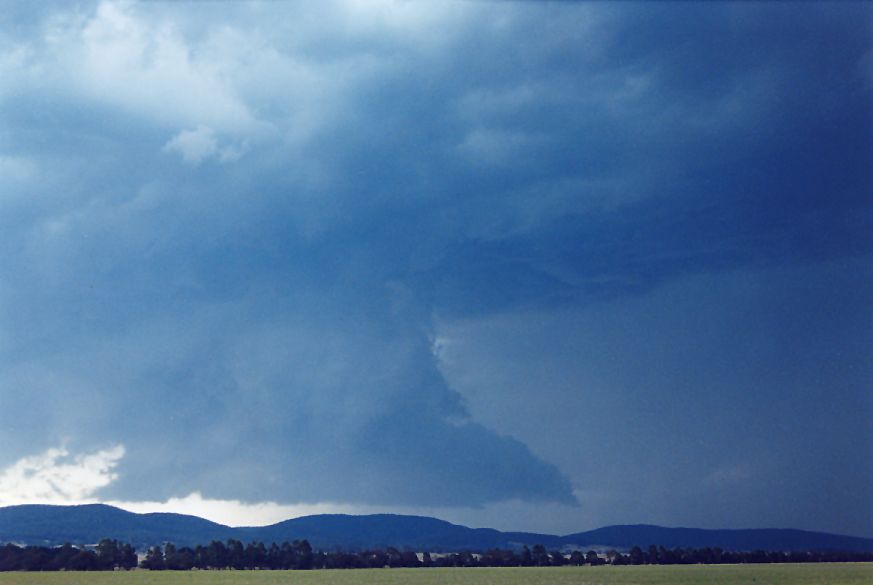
(535, 266)
(57, 477)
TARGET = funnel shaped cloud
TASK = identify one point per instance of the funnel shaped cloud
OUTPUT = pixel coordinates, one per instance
(247, 333)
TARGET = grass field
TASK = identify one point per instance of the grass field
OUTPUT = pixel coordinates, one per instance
(806, 574)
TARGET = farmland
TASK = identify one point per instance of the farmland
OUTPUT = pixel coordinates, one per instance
(800, 574)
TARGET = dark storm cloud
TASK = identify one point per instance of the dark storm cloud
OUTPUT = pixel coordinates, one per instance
(226, 234)
(238, 329)
(707, 396)
(747, 146)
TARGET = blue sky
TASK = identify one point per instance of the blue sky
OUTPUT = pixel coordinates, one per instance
(541, 266)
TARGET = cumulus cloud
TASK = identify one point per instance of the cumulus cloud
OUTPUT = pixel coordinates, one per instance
(199, 144)
(194, 145)
(57, 476)
(118, 57)
(243, 81)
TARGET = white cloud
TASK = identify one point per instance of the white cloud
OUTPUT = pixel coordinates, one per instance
(200, 144)
(60, 477)
(427, 24)
(194, 145)
(254, 73)
(235, 512)
(56, 476)
(244, 83)
(149, 68)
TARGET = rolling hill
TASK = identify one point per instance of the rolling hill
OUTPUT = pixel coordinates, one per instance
(622, 537)
(87, 524)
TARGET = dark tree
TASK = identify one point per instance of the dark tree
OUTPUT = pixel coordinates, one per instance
(526, 557)
(154, 559)
(178, 559)
(255, 555)
(63, 557)
(592, 559)
(216, 555)
(302, 554)
(127, 557)
(620, 559)
(108, 555)
(85, 560)
(236, 554)
(539, 556)
(577, 559)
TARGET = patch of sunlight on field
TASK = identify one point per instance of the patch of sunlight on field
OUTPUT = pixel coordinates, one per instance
(806, 574)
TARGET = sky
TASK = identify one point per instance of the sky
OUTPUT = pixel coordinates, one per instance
(540, 266)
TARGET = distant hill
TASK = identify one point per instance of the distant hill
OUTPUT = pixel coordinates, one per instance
(53, 525)
(87, 524)
(383, 530)
(623, 537)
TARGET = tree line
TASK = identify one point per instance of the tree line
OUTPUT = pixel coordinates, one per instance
(110, 555)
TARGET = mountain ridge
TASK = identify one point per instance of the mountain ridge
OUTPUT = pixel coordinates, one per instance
(88, 523)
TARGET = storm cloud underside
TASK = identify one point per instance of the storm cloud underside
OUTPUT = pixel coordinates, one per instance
(297, 252)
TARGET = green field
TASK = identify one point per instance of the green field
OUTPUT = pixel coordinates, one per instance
(806, 574)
